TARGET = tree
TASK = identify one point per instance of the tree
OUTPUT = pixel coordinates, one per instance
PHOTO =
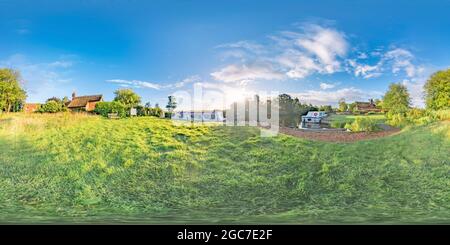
(397, 99)
(437, 90)
(65, 100)
(171, 104)
(11, 92)
(351, 107)
(326, 108)
(291, 110)
(342, 105)
(57, 100)
(127, 97)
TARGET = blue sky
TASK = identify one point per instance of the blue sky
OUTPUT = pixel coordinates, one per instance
(320, 51)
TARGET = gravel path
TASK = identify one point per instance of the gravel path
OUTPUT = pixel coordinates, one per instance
(339, 136)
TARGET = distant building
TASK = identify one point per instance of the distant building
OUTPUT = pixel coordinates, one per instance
(367, 106)
(199, 116)
(31, 107)
(84, 103)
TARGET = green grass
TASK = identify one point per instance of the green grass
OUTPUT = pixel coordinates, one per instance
(74, 168)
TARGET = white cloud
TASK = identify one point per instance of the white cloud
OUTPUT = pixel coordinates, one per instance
(325, 86)
(248, 45)
(152, 85)
(396, 61)
(364, 70)
(297, 64)
(312, 49)
(61, 63)
(326, 44)
(402, 61)
(320, 97)
(135, 83)
(41, 80)
(362, 56)
(245, 73)
(186, 81)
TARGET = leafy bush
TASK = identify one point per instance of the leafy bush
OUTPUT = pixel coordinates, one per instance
(156, 112)
(417, 117)
(415, 113)
(396, 119)
(149, 111)
(51, 107)
(104, 108)
(362, 124)
(440, 114)
(338, 124)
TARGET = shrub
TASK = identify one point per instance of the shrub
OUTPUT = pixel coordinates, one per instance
(337, 124)
(362, 124)
(440, 114)
(415, 113)
(396, 119)
(156, 112)
(50, 107)
(104, 108)
(141, 111)
(423, 121)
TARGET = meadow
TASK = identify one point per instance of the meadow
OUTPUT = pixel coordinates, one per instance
(73, 168)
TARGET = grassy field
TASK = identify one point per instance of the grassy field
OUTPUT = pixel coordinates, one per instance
(74, 168)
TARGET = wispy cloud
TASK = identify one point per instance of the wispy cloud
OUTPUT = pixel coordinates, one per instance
(325, 86)
(394, 61)
(289, 55)
(247, 72)
(135, 83)
(41, 80)
(153, 85)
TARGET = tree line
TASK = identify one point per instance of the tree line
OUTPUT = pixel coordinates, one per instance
(396, 102)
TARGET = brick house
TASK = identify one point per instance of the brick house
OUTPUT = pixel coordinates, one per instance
(31, 107)
(367, 106)
(84, 103)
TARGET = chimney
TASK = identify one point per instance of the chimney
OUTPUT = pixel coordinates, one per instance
(74, 95)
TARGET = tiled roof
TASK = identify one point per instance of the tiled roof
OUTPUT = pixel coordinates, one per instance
(81, 101)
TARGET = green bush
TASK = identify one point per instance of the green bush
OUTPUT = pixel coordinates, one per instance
(338, 124)
(417, 117)
(148, 111)
(362, 124)
(156, 112)
(440, 114)
(397, 119)
(51, 107)
(104, 108)
(415, 113)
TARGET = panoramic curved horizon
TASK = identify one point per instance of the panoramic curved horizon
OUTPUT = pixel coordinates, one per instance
(320, 51)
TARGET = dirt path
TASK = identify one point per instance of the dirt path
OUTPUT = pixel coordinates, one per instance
(338, 136)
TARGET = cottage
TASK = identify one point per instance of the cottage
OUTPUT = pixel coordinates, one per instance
(31, 107)
(84, 103)
(367, 106)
